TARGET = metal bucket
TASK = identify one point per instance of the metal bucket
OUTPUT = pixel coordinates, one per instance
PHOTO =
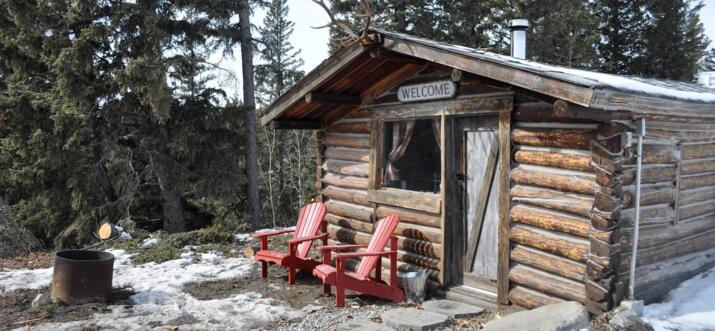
(414, 284)
(82, 276)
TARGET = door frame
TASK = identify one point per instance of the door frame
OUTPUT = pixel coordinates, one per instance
(464, 125)
(452, 196)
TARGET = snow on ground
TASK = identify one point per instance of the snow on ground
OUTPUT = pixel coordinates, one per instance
(691, 306)
(159, 298)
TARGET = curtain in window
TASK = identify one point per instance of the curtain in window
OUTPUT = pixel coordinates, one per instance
(401, 135)
(436, 128)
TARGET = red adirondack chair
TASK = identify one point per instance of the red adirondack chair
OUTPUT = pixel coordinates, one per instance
(360, 280)
(310, 219)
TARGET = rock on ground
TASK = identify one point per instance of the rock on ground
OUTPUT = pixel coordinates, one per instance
(40, 300)
(452, 309)
(413, 319)
(564, 316)
(361, 325)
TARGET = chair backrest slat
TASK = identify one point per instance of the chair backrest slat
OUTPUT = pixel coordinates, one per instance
(309, 219)
(384, 230)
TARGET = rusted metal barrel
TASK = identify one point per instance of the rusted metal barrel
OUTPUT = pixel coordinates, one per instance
(82, 276)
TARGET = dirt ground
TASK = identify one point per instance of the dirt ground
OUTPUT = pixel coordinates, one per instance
(37, 260)
(16, 310)
(306, 293)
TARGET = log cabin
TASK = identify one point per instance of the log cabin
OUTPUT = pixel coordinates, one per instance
(516, 182)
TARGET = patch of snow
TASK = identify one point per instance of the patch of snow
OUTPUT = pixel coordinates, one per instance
(149, 242)
(691, 306)
(160, 298)
(241, 237)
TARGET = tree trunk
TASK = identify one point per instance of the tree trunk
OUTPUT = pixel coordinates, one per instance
(172, 207)
(249, 102)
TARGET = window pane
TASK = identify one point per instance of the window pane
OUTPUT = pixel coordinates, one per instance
(412, 155)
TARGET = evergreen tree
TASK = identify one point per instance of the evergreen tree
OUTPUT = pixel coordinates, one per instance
(707, 62)
(288, 170)
(674, 40)
(92, 131)
(621, 24)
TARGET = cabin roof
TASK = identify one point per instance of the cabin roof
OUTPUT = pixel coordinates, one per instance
(360, 72)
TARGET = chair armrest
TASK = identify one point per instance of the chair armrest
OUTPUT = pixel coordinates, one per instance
(339, 247)
(342, 256)
(270, 233)
(311, 238)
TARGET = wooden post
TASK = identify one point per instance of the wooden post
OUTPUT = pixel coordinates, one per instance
(504, 204)
(443, 191)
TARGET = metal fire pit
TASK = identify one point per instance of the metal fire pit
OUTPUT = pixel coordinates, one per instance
(82, 276)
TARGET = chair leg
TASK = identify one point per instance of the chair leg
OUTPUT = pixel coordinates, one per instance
(339, 286)
(339, 296)
(291, 275)
(264, 269)
(326, 289)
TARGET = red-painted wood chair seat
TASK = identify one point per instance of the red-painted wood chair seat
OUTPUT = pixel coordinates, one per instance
(310, 220)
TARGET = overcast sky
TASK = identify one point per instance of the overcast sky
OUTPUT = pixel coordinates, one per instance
(313, 43)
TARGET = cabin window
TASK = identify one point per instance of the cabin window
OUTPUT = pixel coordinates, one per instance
(412, 155)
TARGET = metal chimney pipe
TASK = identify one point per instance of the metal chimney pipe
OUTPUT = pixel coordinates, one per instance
(518, 38)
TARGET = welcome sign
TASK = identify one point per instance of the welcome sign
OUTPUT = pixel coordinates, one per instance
(443, 89)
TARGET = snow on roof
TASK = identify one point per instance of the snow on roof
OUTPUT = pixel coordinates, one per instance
(637, 85)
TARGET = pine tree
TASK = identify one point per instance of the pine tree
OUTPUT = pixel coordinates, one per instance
(288, 170)
(707, 62)
(561, 32)
(674, 40)
(621, 24)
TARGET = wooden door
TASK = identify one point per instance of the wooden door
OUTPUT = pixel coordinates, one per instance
(480, 206)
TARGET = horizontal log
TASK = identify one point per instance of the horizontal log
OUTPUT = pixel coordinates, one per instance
(540, 112)
(696, 195)
(348, 140)
(563, 245)
(699, 180)
(650, 174)
(358, 197)
(562, 180)
(350, 127)
(658, 234)
(698, 151)
(345, 181)
(530, 299)
(408, 244)
(553, 199)
(347, 154)
(348, 168)
(650, 195)
(406, 230)
(649, 215)
(690, 167)
(659, 154)
(596, 292)
(548, 262)
(406, 261)
(696, 209)
(428, 202)
(349, 210)
(410, 216)
(565, 138)
(548, 283)
(551, 220)
(558, 158)
(569, 110)
(672, 249)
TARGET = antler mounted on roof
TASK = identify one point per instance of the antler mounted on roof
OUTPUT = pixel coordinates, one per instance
(351, 36)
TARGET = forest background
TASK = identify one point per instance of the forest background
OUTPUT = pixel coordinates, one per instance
(125, 112)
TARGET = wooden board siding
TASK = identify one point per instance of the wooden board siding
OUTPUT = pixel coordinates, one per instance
(676, 238)
(552, 193)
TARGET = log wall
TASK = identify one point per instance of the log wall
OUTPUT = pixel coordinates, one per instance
(552, 193)
(677, 226)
